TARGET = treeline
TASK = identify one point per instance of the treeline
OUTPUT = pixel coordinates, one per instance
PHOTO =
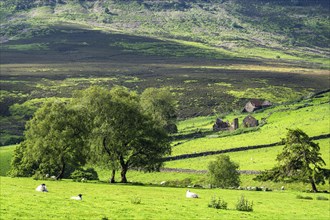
(116, 129)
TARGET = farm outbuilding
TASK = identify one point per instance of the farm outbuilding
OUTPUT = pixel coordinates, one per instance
(220, 125)
(250, 121)
(255, 104)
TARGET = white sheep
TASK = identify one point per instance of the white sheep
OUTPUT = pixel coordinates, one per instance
(191, 194)
(42, 188)
(282, 188)
(79, 197)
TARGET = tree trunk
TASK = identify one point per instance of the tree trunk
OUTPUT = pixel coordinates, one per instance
(123, 174)
(124, 168)
(60, 175)
(313, 184)
(112, 180)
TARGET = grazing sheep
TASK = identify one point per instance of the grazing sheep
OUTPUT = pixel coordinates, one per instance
(282, 188)
(163, 183)
(42, 188)
(191, 194)
(79, 197)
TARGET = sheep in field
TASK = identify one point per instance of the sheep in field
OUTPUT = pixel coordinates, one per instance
(191, 194)
(79, 197)
(42, 188)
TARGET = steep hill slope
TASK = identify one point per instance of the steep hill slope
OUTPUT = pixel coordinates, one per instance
(214, 55)
(256, 28)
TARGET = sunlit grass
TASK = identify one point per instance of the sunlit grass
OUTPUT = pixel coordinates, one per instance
(313, 120)
(258, 159)
(114, 202)
(26, 47)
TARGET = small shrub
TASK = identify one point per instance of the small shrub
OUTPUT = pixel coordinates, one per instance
(88, 174)
(223, 172)
(136, 200)
(38, 176)
(304, 197)
(217, 203)
(321, 198)
(244, 205)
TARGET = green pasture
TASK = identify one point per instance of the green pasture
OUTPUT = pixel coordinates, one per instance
(257, 159)
(20, 200)
(311, 118)
(5, 155)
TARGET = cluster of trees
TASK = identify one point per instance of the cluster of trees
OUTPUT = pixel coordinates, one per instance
(116, 128)
(300, 161)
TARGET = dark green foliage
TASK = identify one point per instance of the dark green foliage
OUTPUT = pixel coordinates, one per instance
(300, 161)
(86, 174)
(161, 105)
(244, 205)
(54, 142)
(217, 203)
(123, 136)
(223, 172)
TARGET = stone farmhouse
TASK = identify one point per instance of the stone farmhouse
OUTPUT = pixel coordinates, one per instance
(250, 121)
(255, 104)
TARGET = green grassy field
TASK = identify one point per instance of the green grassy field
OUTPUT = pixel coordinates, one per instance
(19, 200)
(5, 155)
(312, 116)
(259, 159)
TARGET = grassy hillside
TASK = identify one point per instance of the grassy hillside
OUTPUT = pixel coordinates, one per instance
(260, 159)
(312, 114)
(102, 201)
(254, 28)
(214, 55)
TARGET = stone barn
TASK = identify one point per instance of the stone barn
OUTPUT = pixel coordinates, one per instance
(250, 121)
(220, 125)
(255, 104)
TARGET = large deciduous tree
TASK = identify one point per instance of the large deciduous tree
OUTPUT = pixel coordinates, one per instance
(54, 142)
(122, 134)
(300, 161)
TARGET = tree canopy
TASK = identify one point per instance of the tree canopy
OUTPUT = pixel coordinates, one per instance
(54, 142)
(123, 135)
(160, 104)
(106, 127)
(300, 161)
